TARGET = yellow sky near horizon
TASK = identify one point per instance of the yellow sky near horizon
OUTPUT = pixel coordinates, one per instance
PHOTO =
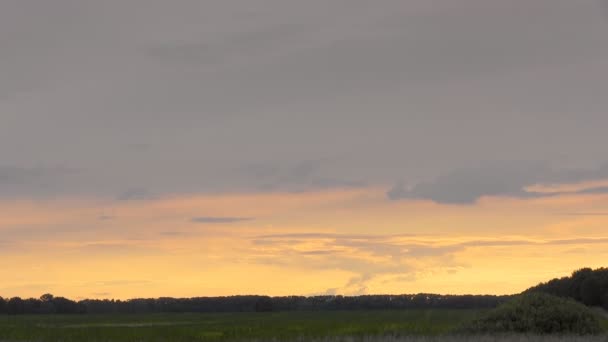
(334, 241)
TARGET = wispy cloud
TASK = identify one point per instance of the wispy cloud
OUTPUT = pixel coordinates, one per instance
(105, 218)
(373, 256)
(218, 220)
(173, 233)
(101, 294)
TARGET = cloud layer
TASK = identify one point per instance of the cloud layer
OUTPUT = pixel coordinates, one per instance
(271, 95)
(468, 185)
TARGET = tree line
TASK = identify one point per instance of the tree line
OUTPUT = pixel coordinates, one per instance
(49, 304)
(586, 285)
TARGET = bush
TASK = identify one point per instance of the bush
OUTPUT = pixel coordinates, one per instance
(537, 313)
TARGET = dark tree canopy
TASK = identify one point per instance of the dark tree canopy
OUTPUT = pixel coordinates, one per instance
(585, 285)
(48, 304)
(15, 306)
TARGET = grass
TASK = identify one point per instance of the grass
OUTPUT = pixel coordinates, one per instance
(351, 326)
(230, 326)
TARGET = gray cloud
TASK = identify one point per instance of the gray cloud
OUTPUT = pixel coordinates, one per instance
(177, 96)
(301, 176)
(219, 220)
(136, 194)
(505, 179)
(594, 191)
(47, 180)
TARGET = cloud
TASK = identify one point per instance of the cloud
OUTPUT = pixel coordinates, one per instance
(368, 256)
(101, 294)
(582, 241)
(317, 94)
(172, 233)
(41, 179)
(584, 214)
(121, 282)
(500, 179)
(594, 191)
(295, 177)
(323, 236)
(219, 220)
(136, 194)
(373, 256)
(115, 249)
(5, 245)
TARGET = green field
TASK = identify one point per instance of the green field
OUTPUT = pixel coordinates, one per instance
(230, 326)
(428, 325)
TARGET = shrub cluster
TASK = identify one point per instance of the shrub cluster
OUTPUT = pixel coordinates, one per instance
(537, 313)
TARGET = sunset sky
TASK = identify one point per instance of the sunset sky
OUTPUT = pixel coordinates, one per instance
(216, 147)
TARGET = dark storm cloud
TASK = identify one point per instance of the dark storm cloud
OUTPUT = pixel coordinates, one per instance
(219, 220)
(178, 95)
(466, 186)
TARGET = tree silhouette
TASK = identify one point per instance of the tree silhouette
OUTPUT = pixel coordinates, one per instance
(15, 306)
(49, 304)
(263, 304)
(591, 291)
(585, 285)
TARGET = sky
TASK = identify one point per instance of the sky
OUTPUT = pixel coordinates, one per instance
(216, 147)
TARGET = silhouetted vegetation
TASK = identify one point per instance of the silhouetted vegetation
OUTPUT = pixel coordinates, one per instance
(48, 304)
(537, 313)
(586, 285)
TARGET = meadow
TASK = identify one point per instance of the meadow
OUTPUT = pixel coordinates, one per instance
(328, 326)
(231, 326)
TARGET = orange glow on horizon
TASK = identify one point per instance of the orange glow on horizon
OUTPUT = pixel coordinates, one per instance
(346, 241)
